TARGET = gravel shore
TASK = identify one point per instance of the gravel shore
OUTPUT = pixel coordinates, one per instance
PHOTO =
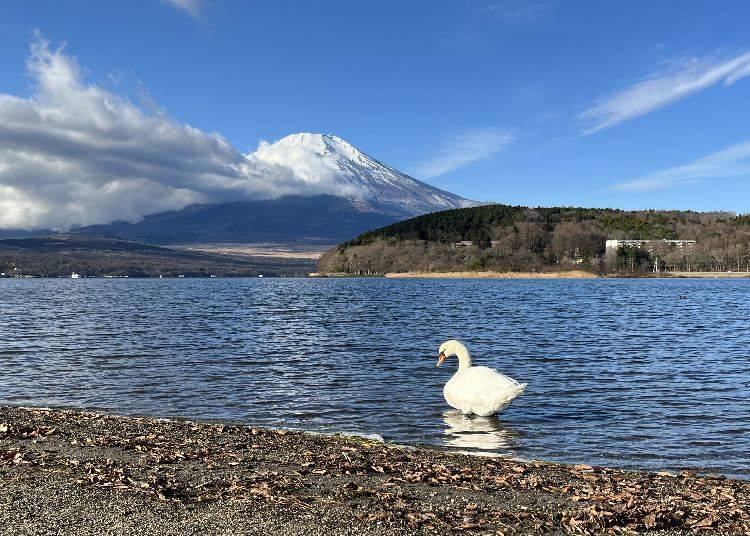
(70, 472)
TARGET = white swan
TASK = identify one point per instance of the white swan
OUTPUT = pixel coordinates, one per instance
(478, 390)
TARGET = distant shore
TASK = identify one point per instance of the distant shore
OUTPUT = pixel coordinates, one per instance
(72, 472)
(271, 250)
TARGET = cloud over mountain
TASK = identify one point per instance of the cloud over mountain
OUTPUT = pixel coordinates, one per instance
(73, 153)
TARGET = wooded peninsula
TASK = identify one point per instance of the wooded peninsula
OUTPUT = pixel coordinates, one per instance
(504, 238)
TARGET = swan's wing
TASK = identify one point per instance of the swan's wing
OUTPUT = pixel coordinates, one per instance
(485, 391)
(489, 377)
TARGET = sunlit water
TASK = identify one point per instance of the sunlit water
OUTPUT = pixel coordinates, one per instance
(631, 373)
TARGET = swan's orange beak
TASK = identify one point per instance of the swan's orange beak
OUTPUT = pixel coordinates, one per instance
(441, 358)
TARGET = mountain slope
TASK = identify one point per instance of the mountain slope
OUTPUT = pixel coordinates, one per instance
(323, 160)
(322, 219)
(367, 194)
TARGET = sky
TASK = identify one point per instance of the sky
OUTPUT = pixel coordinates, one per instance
(115, 109)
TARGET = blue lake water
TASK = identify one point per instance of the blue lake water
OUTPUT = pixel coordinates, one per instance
(631, 373)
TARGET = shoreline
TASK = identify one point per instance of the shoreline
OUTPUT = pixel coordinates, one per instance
(709, 275)
(65, 471)
(570, 274)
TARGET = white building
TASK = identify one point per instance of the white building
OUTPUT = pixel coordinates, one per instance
(466, 243)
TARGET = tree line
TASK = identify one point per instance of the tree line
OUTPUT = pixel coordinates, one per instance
(514, 238)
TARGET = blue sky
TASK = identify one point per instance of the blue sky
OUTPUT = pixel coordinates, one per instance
(538, 102)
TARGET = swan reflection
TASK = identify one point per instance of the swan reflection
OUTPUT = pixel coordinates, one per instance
(482, 433)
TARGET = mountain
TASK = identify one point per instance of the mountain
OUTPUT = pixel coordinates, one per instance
(319, 159)
(321, 219)
(348, 193)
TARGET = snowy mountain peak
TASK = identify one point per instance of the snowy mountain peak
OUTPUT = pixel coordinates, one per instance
(320, 144)
(331, 165)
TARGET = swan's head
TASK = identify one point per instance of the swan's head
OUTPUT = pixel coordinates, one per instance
(449, 349)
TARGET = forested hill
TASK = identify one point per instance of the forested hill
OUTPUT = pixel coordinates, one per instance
(517, 238)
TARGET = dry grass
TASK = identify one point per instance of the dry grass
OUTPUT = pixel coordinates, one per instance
(710, 275)
(279, 251)
(572, 274)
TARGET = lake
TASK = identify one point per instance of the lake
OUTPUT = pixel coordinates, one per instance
(630, 373)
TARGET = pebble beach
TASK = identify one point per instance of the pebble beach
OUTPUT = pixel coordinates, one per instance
(66, 472)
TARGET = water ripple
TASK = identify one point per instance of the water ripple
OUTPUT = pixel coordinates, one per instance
(619, 371)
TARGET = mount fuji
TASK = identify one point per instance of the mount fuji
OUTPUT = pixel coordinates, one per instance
(345, 192)
(325, 160)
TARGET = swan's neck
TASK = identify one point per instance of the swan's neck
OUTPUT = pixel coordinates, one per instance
(464, 359)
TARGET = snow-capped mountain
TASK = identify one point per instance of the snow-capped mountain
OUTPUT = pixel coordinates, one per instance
(332, 166)
(344, 192)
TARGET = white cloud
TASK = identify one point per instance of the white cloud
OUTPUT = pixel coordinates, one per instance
(678, 80)
(76, 154)
(517, 12)
(194, 8)
(733, 161)
(464, 149)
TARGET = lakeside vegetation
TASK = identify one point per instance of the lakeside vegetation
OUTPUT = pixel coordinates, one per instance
(507, 238)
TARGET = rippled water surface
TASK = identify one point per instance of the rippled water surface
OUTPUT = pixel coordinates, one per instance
(633, 373)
